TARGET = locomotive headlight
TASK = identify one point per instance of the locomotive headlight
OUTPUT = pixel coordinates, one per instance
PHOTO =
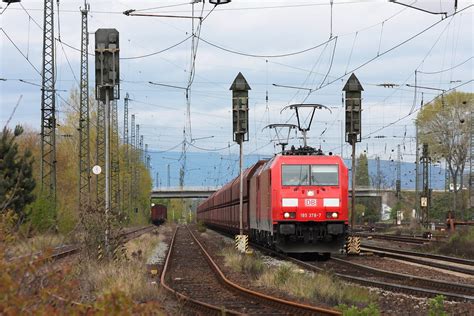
(332, 215)
(286, 215)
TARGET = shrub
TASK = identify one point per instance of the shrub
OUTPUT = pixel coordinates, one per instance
(460, 244)
(437, 306)
(371, 310)
(201, 227)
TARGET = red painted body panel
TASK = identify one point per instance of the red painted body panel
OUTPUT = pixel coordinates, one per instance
(310, 208)
(158, 213)
(263, 210)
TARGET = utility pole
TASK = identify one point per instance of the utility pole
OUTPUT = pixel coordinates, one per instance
(146, 155)
(240, 118)
(115, 163)
(182, 169)
(107, 89)
(141, 149)
(48, 107)
(126, 178)
(84, 147)
(132, 166)
(169, 176)
(100, 155)
(398, 184)
(471, 164)
(417, 166)
(353, 90)
(378, 184)
(137, 137)
(425, 198)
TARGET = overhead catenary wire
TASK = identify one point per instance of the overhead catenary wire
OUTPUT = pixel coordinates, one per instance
(391, 49)
(444, 70)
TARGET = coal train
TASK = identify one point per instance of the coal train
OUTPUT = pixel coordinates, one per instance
(158, 213)
(296, 202)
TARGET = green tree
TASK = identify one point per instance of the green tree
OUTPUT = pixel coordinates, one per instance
(444, 125)
(16, 173)
(362, 171)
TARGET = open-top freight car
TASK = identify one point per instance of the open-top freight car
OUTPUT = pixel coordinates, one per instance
(158, 213)
(294, 203)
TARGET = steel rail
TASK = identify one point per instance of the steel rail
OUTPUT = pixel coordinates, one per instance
(372, 283)
(391, 286)
(411, 257)
(467, 262)
(465, 288)
(297, 308)
(68, 250)
(412, 240)
(301, 309)
(379, 284)
(195, 304)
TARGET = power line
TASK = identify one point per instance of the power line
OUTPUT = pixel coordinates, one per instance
(444, 70)
(267, 56)
(390, 49)
(19, 50)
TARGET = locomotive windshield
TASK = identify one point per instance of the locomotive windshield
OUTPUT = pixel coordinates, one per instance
(295, 175)
(309, 175)
(324, 175)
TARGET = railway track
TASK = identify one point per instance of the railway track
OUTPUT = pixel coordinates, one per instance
(464, 266)
(68, 250)
(392, 281)
(191, 274)
(405, 239)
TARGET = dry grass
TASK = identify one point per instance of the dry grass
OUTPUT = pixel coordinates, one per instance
(249, 264)
(315, 287)
(143, 246)
(128, 275)
(39, 243)
(295, 281)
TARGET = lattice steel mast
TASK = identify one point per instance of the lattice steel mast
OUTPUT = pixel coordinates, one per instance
(115, 165)
(84, 149)
(126, 180)
(100, 154)
(471, 164)
(133, 167)
(48, 107)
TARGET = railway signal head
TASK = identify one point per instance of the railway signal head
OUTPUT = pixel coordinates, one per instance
(353, 90)
(240, 108)
(107, 67)
(217, 2)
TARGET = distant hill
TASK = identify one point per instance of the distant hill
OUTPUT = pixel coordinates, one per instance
(213, 169)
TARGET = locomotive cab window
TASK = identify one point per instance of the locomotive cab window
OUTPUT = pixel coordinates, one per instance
(324, 175)
(309, 175)
(295, 175)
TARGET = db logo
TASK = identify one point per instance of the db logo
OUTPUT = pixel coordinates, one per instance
(310, 202)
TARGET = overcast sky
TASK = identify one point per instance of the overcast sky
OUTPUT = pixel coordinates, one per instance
(363, 35)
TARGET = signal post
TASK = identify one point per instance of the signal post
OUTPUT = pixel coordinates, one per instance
(107, 89)
(240, 123)
(353, 90)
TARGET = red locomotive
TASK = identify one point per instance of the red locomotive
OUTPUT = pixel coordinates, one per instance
(292, 202)
(158, 213)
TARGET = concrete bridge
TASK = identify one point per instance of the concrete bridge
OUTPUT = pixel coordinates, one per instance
(204, 192)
